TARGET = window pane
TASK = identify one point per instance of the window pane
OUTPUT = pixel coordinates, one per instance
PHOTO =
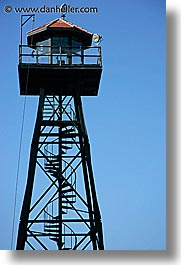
(59, 42)
(43, 49)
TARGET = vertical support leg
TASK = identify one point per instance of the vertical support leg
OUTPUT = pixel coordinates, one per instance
(89, 178)
(60, 243)
(94, 198)
(22, 232)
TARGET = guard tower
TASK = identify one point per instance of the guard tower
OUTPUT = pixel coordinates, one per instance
(60, 208)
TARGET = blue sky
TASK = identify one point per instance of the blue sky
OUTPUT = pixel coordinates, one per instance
(126, 122)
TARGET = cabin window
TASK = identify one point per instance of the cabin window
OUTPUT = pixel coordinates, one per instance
(58, 42)
(44, 47)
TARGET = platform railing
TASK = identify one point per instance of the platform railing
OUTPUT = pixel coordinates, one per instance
(61, 56)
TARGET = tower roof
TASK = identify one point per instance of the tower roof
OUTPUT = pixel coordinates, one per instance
(59, 27)
(57, 23)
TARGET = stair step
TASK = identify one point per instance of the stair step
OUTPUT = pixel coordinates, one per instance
(68, 196)
(62, 124)
(53, 173)
(51, 166)
(53, 162)
(55, 157)
(66, 207)
(48, 107)
(54, 167)
(52, 226)
(68, 190)
(49, 230)
(63, 135)
(68, 130)
(47, 103)
(69, 201)
(67, 133)
(52, 170)
(66, 147)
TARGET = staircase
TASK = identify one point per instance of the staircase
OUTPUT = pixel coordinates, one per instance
(54, 226)
(59, 169)
(69, 238)
(49, 108)
(56, 229)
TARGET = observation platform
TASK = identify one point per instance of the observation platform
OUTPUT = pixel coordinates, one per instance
(60, 71)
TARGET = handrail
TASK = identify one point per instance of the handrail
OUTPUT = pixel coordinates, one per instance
(57, 46)
(65, 226)
(45, 211)
(70, 55)
(73, 233)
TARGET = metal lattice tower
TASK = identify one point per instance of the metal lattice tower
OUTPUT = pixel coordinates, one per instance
(60, 208)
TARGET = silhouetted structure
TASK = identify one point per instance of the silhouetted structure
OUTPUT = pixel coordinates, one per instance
(60, 208)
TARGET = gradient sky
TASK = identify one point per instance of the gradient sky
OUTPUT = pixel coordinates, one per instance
(126, 122)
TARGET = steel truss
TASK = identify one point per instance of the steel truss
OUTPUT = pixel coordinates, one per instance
(60, 208)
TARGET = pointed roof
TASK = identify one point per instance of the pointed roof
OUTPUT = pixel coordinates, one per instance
(58, 23)
(56, 28)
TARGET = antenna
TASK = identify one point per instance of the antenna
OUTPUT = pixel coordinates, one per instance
(63, 9)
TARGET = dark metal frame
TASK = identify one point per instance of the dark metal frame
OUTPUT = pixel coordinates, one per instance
(33, 54)
(64, 215)
(22, 23)
(70, 68)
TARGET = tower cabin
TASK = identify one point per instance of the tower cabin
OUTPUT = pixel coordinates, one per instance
(59, 58)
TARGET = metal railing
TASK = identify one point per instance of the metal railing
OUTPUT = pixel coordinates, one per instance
(61, 56)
